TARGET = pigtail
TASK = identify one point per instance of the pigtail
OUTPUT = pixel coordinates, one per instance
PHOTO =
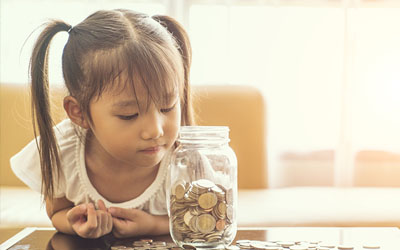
(42, 121)
(185, 49)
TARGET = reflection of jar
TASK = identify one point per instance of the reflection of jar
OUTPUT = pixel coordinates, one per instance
(202, 188)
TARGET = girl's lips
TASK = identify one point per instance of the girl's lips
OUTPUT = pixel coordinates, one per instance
(151, 150)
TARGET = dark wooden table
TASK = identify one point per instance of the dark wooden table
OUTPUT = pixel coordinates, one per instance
(47, 238)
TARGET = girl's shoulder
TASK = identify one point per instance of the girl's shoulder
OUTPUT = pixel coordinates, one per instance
(26, 163)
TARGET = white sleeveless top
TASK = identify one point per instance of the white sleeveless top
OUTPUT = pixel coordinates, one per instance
(73, 182)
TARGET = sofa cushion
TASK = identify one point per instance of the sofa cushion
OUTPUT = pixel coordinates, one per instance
(314, 206)
(320, 206)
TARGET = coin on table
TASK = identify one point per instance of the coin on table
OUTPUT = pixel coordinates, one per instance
(205, 223)
(286, 243)
(343, 247)
(298, 247)
(232, 247)
(118, 247)
(188, 247)
(371, 246)
(137, 243)
(273, 248)
(256, 245)
(159, 243)
(327, 245)
(207, 200)
(271, 244)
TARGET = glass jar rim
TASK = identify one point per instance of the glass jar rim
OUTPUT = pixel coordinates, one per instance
(205, 129)
(204, 134)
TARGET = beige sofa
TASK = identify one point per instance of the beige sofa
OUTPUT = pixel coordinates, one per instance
(244, 110)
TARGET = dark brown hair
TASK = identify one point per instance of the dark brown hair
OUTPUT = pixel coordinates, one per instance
(154, 51)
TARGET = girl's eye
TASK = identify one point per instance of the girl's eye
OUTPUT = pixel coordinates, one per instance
(168, 109)
(128, 117)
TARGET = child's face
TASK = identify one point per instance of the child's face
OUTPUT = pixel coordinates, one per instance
(133, 135)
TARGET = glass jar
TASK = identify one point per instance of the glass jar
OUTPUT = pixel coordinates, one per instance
(202, 188)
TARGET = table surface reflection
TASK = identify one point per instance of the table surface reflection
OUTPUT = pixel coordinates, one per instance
(47, 238)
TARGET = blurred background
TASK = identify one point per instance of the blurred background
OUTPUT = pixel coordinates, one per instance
(328, 69)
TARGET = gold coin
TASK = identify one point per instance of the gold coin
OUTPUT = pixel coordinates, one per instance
(207, 200)
(192, 224)
(173, 187)
(222, 208)
(180, 191)
(205, 223)
(187, 217)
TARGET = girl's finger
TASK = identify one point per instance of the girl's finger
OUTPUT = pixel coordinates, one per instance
(103, 219)
(109, 222)
(117, 223)
(101, 205)
(91, 223)
(121, 212)
(76, 213)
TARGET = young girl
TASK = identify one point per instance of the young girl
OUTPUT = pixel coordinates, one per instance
(104, 168)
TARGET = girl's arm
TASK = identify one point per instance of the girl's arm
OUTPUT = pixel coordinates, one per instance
(57, 210)
(83, 219)
(135, 222)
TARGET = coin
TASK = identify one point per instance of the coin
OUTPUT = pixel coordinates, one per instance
(222, 208)
(187, 217)
(117, 247)
(205, 183)
(342, 247)
(286, 243)
(298, 247)
(327, 245)
(232, 247)
(205, 223)
(199, 212)
(207, 200)
(188, 247)
(180, 191)
(371, 246)
(220, 225)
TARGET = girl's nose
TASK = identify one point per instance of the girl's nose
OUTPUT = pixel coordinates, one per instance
(153, 126)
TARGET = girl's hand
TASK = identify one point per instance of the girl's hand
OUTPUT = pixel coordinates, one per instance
(88, 222)
(132, 222)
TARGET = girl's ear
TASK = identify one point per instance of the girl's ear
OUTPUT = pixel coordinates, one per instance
(74, 112)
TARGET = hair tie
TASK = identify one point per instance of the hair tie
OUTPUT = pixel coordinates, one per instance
(70, 28)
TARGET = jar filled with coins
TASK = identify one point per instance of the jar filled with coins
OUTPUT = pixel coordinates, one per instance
(202, 188)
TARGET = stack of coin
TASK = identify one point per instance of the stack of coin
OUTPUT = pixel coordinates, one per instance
(201, 212)
(146, 244)
(295, 245)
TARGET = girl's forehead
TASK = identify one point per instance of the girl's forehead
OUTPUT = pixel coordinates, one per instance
(124, 93)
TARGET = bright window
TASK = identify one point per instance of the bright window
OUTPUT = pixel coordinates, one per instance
(329, 70)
